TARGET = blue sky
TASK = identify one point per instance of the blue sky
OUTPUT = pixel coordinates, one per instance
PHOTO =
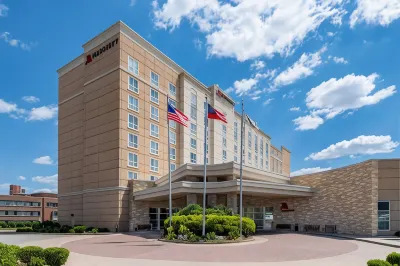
(319, 78)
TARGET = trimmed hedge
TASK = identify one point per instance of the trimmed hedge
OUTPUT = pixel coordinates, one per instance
(24, 230)
(378, 263)
(25, 254)
(80, 229)
(11, 224)
(19, 224)
(56, 256)
(3, 224)
(393, 258)
(37, 262)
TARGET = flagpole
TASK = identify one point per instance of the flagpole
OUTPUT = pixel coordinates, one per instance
(169, 169)
(241, 170)
(205, 167)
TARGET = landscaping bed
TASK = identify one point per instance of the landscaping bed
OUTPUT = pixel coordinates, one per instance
(393, 259)
(222, 226)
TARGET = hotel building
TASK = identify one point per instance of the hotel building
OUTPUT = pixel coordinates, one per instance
(113, 144)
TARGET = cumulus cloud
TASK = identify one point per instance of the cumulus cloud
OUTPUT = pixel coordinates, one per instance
(6, 36)
(6, 107)
(43, 113)
(295, 109)
(50, 180)
(43, 160)
(22, 178)
(30, 99)
(249, 29)
(308, 122)
(257, 65)
(306, 171)
(362, 145)
(198, 44)
(45, 190)
(244, 86)
(338, 60)
(268, 101)
(374, 12)
(3, 10)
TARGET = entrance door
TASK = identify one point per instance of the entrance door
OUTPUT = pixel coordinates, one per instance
(262, 216)
(157, 217)
(268, 218)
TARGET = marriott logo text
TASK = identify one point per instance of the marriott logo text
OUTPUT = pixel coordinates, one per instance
(90, 57)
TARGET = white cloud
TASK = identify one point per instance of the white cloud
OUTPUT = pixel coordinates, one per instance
(3, 10)
(43, 160)
(198, 44)
(302, 68)
(132, 3)
(43, 113)
(255, 98)
(375, 12)
(249, 29)
(22, 178)
(295, 109)
(30, 99)
(308, 122)
(50, 180)
(6, 107)
(306, 171)
(257, 65)
(338, 60)
(358, 146)
(268, 101)
(330, 34)
(291, 94)
(244, 86)
(351, 92)
(45, 190)
(6, 36)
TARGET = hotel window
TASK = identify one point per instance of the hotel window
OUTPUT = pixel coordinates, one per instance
(261, 146)
(266, 164)
(172, 89)
(133, 141)
(132, 175)
(172, 137)
(256, 143)
(193, 106)
(173, 167)
(235, 148)
(154, 112)
(153, 165)
(224, 155)
(154, 96)
(224, 136)
(193, 143)
(266, 150)
(172, 102)
(256, 160)
(153, 147)
(249, 157)
(249, 139)
(132, 160)
(153, 178)
(133, 85)
(172, 124)
(154, 130)
(193, 157)
(261, 163)
(154, 78)
(172, 154)
(133, 122)
(193, 129)
(133, 103)
(384, 215)
(235, 131)
(133, 66)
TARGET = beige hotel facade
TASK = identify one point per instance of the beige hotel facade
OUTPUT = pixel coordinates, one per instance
(113, 148)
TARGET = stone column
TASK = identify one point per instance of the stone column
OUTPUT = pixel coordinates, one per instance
(232, 202)
(191, 199)
(211, 200)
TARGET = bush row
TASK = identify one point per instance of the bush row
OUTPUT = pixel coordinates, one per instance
(391, 260)
(11, 255)
(11, 224)
(63, 229)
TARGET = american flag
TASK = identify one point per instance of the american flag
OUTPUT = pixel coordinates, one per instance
(177, 116)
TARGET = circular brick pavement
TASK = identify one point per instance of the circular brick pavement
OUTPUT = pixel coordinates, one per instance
(267, 248)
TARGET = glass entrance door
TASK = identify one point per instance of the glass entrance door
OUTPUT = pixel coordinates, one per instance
(157, 217)
(262, 216)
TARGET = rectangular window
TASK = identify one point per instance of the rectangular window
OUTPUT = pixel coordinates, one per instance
(154, 96)
(249, 139)
(256, 143)
(249, 157)
(261, 147)
(224, 155)
(153, 147)
(193, 113)
(172, 89)
(235, 149)
(193, 143)
(193, 106)
(193, 157)
(132, 175)
(172, 124)
(154, 130)
(133, 85)
(172, 137)
(235, 131)
(266, 164)
(384, 215)
(193, 129)
(224, 142)
(154, 78)
(173, 167)
(133, 103)
(256, 160)
(172, 102)
(154, 112)
(133, 66)
(153, 165)
(261, 163)
(266, 150)
(133, 141)
(133, 122)
(153, 178)
(193, 99)
(132, 159)
(173, 154)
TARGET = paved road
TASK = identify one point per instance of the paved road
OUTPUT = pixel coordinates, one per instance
(24, 239)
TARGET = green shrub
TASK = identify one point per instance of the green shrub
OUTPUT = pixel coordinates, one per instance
(37, 262)
(51, 224)
(171, 234)
(19, 224)
(193, 238)
(80, 229)
(24, 230)
(36, 225)
(27, 224)
(378, 263)
(234, 233)
(56, 256)
(191, 209)
(95, 230)
(3, 224)
(211, 236)
(71, 231)
(393, 258)
(65, 228)
(219, 210)
(183, 230)
(26, 253)
(8, 255)
(11, 224)
(104, 230)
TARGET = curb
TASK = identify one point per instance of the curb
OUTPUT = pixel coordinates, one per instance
(207, 243)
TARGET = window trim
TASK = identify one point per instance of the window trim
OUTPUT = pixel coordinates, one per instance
(384, 230)
(158, 146)
(174, 158)
(195, 154)
(129, 96)
(195, 141)
(158, 97)
(169, 89)
(173, 133)
(137, 156)
(137, 92)
(133, 172)
(133, 128)
(130, 57)
(158, 113)
(133, 147)
(158, 80)
(158, 133)
(158, 165)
